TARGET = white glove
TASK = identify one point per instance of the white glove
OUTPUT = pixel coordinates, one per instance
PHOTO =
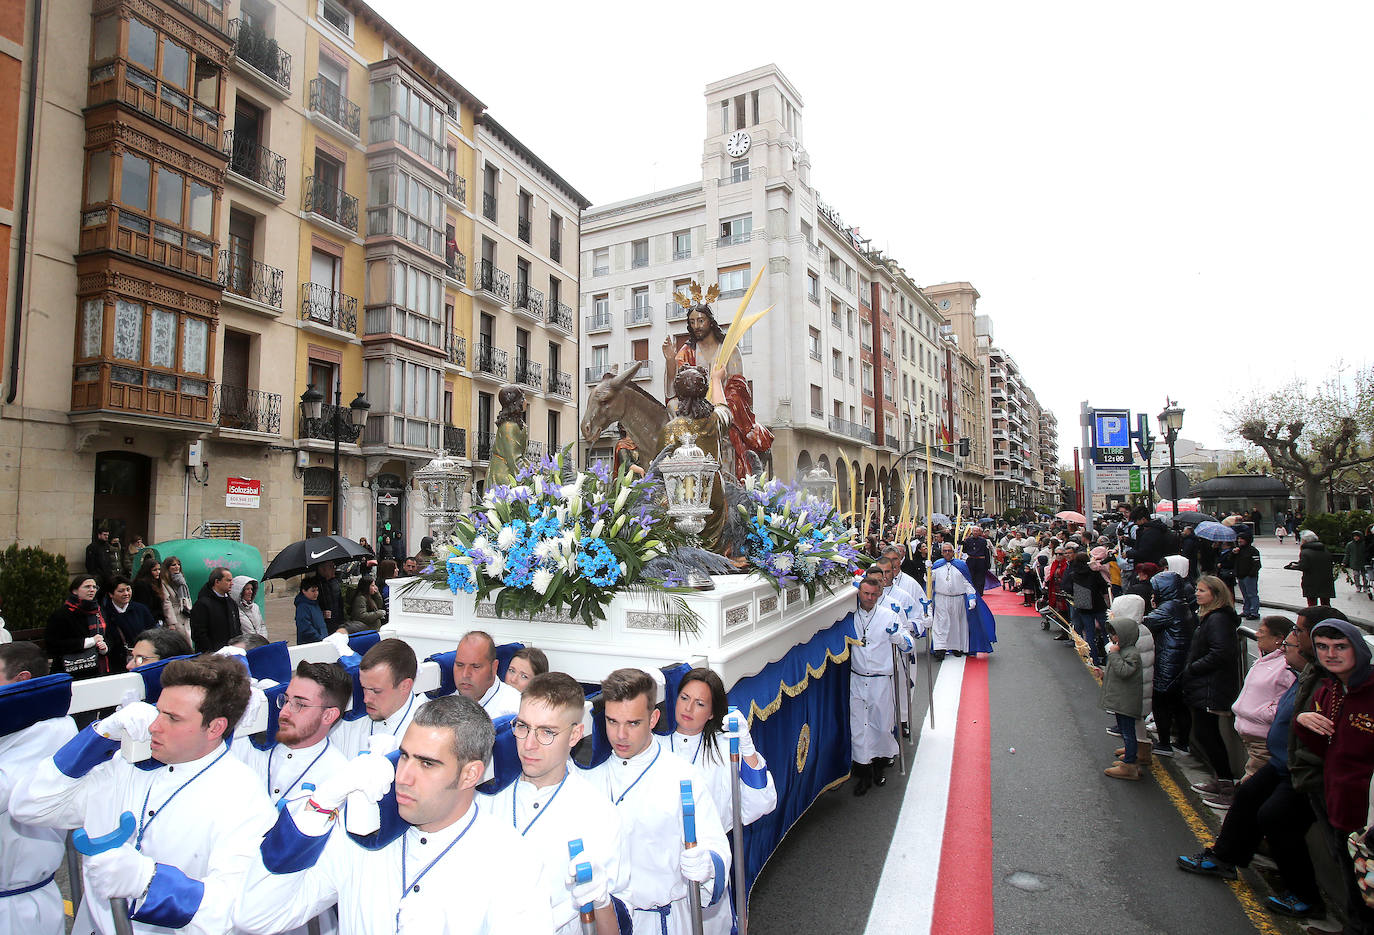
(120, 872)
(368, 773)
(696, 864)
(129, 723)
(257, 702)
(383, 744)
(746, 742)
(231, 651)
(339, 642)
(418, 917)
(595, 891)
(973, 603)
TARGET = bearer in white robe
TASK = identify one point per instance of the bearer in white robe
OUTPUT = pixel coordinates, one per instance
(387, 675)
(436, 866)
(304, 752)
(915, 617)
(30, 902)
(199, 811)
(553, 803)
(954, 596)
(878, 628)
(643, 780)
(702, 737)
(474, 675)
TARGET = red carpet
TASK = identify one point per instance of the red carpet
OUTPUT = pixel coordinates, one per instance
(1004, 603)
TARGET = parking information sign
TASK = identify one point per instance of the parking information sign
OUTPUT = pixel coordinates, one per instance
(1111, 436)
(1117, 479)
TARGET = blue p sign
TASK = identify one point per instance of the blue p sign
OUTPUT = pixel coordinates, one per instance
(1113, 428)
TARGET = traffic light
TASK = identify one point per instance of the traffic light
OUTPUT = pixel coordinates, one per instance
(963, 447)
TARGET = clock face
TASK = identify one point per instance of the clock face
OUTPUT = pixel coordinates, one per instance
(944, 305)
(738, 144)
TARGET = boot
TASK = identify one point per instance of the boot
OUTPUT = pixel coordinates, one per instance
(1123, 771)
(864, 774)
(1144, 752)
(879, 764)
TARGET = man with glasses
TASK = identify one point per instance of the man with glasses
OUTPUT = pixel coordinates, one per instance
(1266, 807)
(312, 704)
(1339, 727)
(552, 803)
(387, 676)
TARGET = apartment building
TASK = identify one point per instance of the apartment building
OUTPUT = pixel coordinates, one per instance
(815, 363)
(526, 243)
(265, 261)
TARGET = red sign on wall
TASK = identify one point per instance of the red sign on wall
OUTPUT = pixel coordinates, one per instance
(242, 492)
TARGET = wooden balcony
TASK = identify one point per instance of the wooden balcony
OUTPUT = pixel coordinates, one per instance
(119, 81)
(108, 385)
(116, 228)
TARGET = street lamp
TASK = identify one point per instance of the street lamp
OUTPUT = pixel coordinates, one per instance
(312, 412)
(1170, 424)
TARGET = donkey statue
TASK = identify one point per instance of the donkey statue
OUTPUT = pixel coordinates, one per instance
(618, 399)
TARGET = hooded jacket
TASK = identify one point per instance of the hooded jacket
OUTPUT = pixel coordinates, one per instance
(250, 615)
(1151, 542)
(310, 626)
(1265, 683)
(1122, 677)
(1211, 679)
(1348, 754)
(1314, 561)
(1171, 625)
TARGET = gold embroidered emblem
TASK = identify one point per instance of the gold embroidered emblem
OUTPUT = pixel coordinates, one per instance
(1362, 721)
(803, 746)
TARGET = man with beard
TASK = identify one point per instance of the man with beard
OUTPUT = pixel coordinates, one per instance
(707, 425)
(312, 704)
(704, 337)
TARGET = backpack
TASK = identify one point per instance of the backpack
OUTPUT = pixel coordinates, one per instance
(1082, 597)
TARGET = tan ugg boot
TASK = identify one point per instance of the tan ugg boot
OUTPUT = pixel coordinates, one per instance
(1123, 771)
(1144, 752)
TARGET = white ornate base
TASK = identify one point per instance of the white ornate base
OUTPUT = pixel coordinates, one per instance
(745, 625)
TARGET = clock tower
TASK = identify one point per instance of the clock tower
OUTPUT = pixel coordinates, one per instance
(753, 128)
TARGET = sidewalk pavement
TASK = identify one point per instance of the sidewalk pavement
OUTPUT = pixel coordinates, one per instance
(1281, 589)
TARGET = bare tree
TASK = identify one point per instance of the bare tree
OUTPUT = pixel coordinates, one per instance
(1317, 436)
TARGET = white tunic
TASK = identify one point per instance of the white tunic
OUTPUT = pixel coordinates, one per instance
(204, 817)
(481, 886)
(754, 803)
(500, 700)
(353, 737)
(871, 718)
(951, 591)
(28, 853)
(281, 769)
(646, 791)
(547, 819)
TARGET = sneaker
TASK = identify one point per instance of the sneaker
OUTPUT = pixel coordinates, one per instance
(1220, 803)
(1210, 787)
(1163, 749)
(1207, 865)
(1290, 905)
(1114, 730)
(1182, 749)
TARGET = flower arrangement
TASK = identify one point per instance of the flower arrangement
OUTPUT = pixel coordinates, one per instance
(560, 538)
(797, 538)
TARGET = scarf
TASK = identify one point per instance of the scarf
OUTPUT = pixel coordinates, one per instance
(94, 627)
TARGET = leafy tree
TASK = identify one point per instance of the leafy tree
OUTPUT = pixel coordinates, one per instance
(32, 584)
(1312, 435)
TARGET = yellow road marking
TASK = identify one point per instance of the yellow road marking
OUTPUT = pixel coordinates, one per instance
(67, 908)
(1245, 895)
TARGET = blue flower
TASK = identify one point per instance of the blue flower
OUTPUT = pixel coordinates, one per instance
(597, 563)
(460, 578)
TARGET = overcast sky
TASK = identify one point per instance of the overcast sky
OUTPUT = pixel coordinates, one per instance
(1166, 199)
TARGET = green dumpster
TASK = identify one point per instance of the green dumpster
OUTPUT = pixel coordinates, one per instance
(199, 556)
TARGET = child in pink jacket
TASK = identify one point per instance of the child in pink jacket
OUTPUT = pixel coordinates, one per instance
(1265, 683)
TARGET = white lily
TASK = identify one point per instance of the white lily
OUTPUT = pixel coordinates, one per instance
(622, 497)
(596, 530)
(619, 522)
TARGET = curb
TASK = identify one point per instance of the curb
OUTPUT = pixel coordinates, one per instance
(1299, 608)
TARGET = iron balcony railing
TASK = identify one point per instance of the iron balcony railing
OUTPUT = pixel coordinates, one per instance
(457, 350)
(639, 262)
(561, 317)
(457, 266)
(328, 202)
(484, 440)
(595, 372)
(254, 47)
(529, 299)
(245, 410)
(599, 321)
(528, 373)
(329, 101)
(330, 417)
(457, 186)
(522, 229)
(491, 361)
(327, 307)
(534, 449)
(495, 281)
(728, 240)
(645, 371)
(255, 163)
(456, 440)
(741, 175)
(638, 315)
(560, 384)
(682, 254)
(489, 206)
(852, 429)
(245, 276)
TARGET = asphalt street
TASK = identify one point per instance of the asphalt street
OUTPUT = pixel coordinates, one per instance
(1073, 851)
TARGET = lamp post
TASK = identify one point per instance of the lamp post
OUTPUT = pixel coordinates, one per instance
(312, 410)
(1170, 423)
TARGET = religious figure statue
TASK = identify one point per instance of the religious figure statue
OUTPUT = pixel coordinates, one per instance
(508, 447)
(704, 337)
(709, 425)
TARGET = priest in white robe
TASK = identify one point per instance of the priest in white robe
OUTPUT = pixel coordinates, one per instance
(877, 629)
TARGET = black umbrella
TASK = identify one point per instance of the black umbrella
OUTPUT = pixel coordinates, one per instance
(299, 557)
(1189, 518)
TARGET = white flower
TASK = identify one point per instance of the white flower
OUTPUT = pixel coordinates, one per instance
(495, 567)
(775, 519)
(623, 496)
(546, 549)
(783, 562)
(481, 544)
(542, 579)
(505, 538)
(538, 486)
(596, 530)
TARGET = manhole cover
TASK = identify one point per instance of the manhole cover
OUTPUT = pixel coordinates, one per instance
(1027, 881)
